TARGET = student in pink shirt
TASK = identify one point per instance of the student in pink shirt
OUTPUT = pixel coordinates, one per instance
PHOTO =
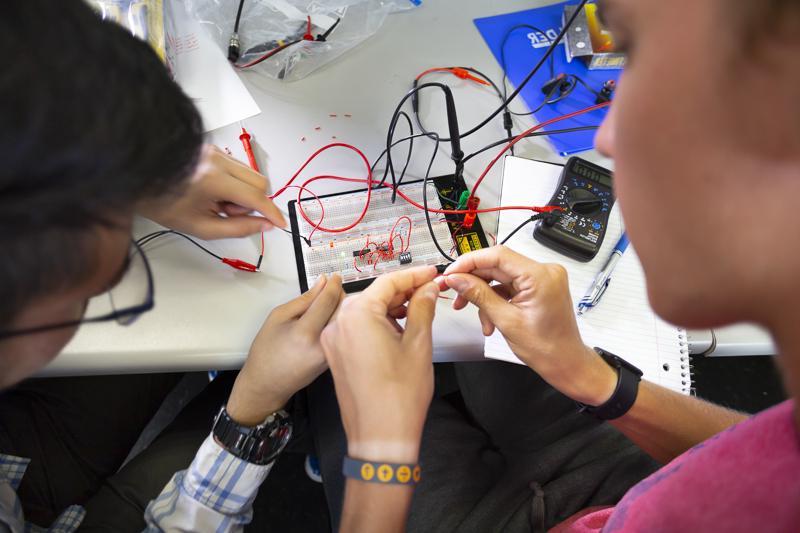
(705, 134)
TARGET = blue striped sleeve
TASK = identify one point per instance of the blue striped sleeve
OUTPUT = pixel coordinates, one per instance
(216, 493)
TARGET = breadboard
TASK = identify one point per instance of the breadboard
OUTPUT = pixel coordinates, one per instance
(380, 243)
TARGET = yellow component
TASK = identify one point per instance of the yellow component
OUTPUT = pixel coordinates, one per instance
(367, 471)
(403, 474)
(385, 473)
(468, 242)
(602, 40)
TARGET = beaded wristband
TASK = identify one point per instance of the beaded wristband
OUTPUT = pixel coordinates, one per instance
(385, 473)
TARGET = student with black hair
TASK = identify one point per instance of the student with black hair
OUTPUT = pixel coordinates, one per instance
(92, 132)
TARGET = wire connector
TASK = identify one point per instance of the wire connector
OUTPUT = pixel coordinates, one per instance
(471, 215)
(238, 264)
(606, 92)
(233, 48)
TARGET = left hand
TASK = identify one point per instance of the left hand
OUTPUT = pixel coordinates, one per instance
(218, 201)
(286, 354)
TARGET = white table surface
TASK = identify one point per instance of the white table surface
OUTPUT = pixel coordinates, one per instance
(206, 314)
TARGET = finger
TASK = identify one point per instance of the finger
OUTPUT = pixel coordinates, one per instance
(242, 193)
(477, 292)
(296, 307)
(233, 210)
(421, 310)
(324, 305)
(498, 263)
(487, 326)
(217, 227)
(390, 290)
(243, 172)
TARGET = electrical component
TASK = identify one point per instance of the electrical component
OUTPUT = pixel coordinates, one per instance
(390, 235)
(606, 92)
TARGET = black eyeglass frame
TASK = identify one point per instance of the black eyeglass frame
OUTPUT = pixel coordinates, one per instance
(135, 310)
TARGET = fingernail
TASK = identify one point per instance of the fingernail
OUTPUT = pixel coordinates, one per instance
(457, 283)
(320, 281)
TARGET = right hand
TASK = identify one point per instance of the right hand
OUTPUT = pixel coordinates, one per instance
(382, 373)
(533, 310)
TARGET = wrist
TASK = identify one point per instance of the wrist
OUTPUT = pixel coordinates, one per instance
(250, 409)
(385, 451)
(599, 381)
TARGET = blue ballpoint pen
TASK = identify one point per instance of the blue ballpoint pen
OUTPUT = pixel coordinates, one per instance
(601, 280)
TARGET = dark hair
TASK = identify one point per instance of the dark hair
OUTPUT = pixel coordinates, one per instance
(90, 125)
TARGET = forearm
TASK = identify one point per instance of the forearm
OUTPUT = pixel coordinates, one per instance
(665, 423)
(372, 507)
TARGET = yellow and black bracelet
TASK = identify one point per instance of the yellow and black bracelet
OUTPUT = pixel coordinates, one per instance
(385, 473)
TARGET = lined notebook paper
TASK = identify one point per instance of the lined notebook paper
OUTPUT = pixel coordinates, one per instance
(623, 323)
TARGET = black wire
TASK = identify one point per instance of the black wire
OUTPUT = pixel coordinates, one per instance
(540, 133)
(147, 239)
(393, 126)
(425, 202)
(503, 56)
(469, 69)
(537, 216)
(531, 74)
(238, 16)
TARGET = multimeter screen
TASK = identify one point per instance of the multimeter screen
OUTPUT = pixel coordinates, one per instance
(590, 173)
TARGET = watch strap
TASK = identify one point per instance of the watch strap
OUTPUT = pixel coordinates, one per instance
(384, 473)
(255, 444)
(625, 393)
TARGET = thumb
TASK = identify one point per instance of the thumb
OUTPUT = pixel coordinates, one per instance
(421, 309)
(477, 292)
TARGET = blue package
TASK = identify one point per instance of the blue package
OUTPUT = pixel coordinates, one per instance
(524, 49)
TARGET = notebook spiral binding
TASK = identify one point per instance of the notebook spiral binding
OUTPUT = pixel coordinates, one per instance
(686, 362)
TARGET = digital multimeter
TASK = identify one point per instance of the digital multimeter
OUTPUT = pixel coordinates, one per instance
(586, 196)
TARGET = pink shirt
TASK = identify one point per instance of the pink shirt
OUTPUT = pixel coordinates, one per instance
(747, 478)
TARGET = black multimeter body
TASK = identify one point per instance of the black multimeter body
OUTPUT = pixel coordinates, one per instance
(585, 193)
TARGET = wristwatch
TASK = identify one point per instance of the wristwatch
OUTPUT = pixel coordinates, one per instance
(624, 395)
(259, 444)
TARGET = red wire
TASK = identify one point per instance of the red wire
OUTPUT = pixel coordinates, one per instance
(522, 135)
(370, 182)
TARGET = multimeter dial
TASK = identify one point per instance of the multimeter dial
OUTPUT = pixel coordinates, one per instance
(586, 197)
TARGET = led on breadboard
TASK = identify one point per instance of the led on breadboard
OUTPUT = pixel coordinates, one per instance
(391, 236)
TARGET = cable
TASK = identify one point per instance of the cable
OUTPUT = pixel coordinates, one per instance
(503, 60)
(537, 216)
(531, 130)
(531, 74)
(238, 17)
(532, 134)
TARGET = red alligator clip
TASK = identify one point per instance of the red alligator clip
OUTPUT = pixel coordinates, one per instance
(471, 215)
(238, 264)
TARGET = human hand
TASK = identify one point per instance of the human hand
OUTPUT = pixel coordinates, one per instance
(532, 308)
(218, 201)
(382, 373)
(286, 354)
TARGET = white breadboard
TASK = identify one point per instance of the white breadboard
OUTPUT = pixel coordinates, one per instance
(374, 246)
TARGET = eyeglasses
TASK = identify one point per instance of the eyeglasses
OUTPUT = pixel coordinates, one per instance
(123, 303)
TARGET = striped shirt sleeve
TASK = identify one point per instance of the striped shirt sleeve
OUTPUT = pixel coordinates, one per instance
(216, 493)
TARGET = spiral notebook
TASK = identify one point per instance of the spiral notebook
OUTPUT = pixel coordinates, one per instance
(623, 323)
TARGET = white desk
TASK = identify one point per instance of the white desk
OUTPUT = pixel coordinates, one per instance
(206, 314)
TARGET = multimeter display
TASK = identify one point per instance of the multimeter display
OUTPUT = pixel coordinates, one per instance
(586, 196)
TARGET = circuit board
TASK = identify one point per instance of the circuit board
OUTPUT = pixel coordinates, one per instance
(391, 236)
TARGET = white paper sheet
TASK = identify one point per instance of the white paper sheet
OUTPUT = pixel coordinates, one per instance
(201, 69)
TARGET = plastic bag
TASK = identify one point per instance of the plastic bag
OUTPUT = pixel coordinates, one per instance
(273, 35)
